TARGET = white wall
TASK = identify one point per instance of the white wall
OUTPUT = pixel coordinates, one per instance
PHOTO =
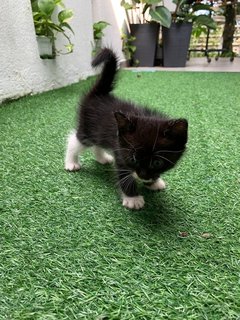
(111, 12)
(22, 71)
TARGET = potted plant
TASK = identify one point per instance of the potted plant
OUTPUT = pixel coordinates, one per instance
(143, 18)
(46, 27)
(98, 34)
(176, 39)
(129, 49)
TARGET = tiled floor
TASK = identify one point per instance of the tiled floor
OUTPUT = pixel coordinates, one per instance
(201, 64)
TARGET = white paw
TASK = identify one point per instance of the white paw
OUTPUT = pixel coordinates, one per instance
(105, 158)
(72, 166)
(133, 202)
(159, 184)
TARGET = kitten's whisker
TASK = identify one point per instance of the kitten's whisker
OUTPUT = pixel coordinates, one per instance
(120, 149)
(166, 159)
(128, 184)
(124, 180)
(117, 170)
(169, 151)
(128, 143)
(154, 145)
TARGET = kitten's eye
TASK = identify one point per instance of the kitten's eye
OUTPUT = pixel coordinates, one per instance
(158, 163)
(133, 160)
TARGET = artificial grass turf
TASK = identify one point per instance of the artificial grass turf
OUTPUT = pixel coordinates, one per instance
(69, 250)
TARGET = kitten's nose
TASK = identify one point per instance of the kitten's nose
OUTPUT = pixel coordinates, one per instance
(143, 175)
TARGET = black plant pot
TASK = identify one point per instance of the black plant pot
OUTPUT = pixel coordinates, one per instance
(146, 43)
(176, 42)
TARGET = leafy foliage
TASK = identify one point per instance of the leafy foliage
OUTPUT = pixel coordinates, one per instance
(158, 13)
(98, 34)
(186, 10)
(127, 47)
(98, 28)
(192, 11)
(161, 14)
(45, 25)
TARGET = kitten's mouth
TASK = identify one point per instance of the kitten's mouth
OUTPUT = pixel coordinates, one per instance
(135, 175)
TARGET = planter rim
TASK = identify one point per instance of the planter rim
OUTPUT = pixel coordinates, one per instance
(45, 37)
(144, 24)
(176, 24)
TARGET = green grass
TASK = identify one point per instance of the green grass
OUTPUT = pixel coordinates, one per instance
(69, 250)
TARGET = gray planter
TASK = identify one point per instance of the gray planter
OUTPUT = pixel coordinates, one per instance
(146, 43)
(176, 42)
(45, 47)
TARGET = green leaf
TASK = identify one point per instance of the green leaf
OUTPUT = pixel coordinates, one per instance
(98, 28)
(65, 15)
(204, 20)
(198, 30)
(46, 6)
(55, 27)
(132, 48)
(162, 15)
(38, 15)
(98, 35)
(151, 2)
(179, 3)
(201, 6)
(34, 4)
(145, 8)
(59, 3)
(66, 25)
(69, 47)
(100, 25)
(126, 5)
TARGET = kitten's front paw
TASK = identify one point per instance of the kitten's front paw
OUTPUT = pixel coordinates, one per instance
(159, 184)
(105, 158)
(72, 166)
(102, 156)
(133, 202)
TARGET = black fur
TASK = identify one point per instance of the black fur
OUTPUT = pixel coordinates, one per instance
(142, 140)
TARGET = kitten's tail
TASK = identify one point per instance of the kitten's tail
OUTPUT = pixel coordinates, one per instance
(105, 82)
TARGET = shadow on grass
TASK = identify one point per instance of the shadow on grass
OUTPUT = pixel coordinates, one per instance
(163, 211)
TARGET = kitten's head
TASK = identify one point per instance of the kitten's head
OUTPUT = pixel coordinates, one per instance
(151, 146)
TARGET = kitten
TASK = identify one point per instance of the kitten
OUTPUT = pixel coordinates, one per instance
(143, 142)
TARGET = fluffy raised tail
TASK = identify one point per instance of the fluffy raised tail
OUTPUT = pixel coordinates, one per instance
(105, 82)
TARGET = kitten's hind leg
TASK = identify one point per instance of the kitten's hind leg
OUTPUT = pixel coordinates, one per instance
(74, 148)
(102, 156)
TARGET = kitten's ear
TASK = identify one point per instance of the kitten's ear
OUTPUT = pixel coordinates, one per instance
(124, 123)
(177, 129)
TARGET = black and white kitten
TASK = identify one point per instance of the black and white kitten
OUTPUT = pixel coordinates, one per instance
(143, 143)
